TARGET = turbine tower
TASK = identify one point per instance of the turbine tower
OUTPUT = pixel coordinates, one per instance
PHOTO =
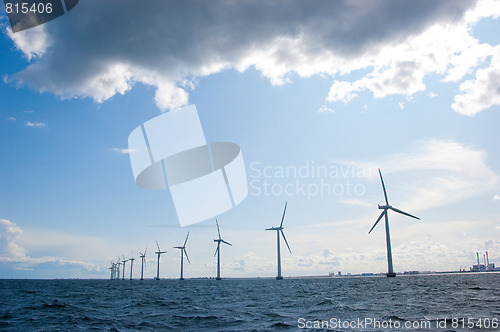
(183, 251)
(124, 261)
(131, 265)
(217, 251)
(143, 256)
(112, 270)
(159, 252)
(387, 207)
(118, 263)
(278, 230)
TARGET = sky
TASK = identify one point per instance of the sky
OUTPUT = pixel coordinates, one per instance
(317, 94)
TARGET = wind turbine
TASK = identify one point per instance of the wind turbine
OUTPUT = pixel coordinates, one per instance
(118, 263)
(112, 270)
(217, 251)
(143, 256)
(131, 265)
(183, 251)
(387, 207)
(278, 230)
(124, 261)
(159, 252)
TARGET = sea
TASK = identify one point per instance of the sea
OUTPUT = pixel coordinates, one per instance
(435, 302)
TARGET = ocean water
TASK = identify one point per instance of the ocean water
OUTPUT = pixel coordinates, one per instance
(407, 303)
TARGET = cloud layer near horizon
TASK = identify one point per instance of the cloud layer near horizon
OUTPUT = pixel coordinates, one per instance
(103, 48)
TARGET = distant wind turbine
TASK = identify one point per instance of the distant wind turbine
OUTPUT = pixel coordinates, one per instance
(143, 262)
(278, 231)
(112, 269)
(386, 207)
(183, 251)
(131, 265)
(124, 261)
(159, 252)
(118, 263)
(217, 251)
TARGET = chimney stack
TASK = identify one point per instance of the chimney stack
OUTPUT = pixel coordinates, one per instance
(477, 254)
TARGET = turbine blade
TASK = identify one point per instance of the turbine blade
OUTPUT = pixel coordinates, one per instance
(218, 245)
(218, 231)
(227, 242)
(158, 245)
(186, 240)
(283, 218)
(383, 186)
(187, 257)
(145, 251)
(376, 222)
(284, 238)
(402, 212)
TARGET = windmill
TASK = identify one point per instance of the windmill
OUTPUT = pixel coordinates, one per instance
(118, 263)
(278, 231)
(217, 251)
(131, 265)
(143, 262)
(124, 261)
(159, 252)
(387, 207)
(112, 269)
(183, 251)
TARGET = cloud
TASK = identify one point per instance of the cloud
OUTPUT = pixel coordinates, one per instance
(11, 118)
(448, 172)
(169, 45)
(432, 94)
(481, 92)
(14, 253)
(36, 124)
(122, 151)
(9, 236)
(325, 109)
(496, 197)
(356, 202)
(33, 42)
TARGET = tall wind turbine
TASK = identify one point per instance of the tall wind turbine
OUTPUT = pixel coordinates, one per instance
(183, 251)
(131, 265)
(124, 261)
(159, 252)
(387, 207)
(217, 251)
(143, 257)
(278, 231)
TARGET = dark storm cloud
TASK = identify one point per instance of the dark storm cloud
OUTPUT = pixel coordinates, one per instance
(163, 42)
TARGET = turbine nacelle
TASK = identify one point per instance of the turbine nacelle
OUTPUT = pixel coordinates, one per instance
(384, 207)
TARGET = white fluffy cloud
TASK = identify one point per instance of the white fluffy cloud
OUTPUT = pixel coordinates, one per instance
(13, 252)
(91, 53)
(452, 172)
(481, 92)
(9, 236)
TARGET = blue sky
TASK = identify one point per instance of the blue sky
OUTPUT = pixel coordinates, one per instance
(327, 86)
